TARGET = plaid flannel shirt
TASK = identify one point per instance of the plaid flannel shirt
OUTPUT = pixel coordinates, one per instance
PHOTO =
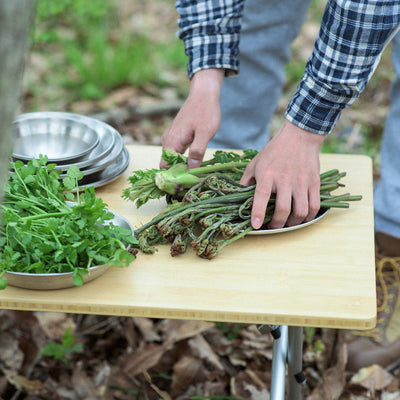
(347, 50)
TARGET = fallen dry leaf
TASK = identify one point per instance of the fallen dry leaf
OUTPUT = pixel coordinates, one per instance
(255, 378)
(31, 387)
(203, 350)
(147, 328)
(142, 360)
(164, 395)
(177, 330)
(333, 380)
(257, 394)
(390, 396)
(186, 371)
(83, 385)
(54, 324)
(10, 355)
(372, 378)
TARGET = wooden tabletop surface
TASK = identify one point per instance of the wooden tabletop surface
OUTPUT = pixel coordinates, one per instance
(322, 275)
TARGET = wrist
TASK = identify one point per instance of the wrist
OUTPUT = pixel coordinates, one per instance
(308, 138)
(208, 81)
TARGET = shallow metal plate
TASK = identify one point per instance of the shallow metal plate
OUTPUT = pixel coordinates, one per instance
(115, 153)
(108, 174)
(61, 280)
(63, 137)
(320, 215)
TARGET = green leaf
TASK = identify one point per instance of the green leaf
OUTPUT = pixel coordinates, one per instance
(69, 196)
(54, 350)
(68, 339)
(58, 255)
(69, 183)
(226, 156)
(29, 179)
(172, 157)
(3, 282)
(77, 348)
(77, 278)
(25, 238)
(249, 154)
(35, 163)
(74, 172)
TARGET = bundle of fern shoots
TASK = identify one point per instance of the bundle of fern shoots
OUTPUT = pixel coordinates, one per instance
(208, 208)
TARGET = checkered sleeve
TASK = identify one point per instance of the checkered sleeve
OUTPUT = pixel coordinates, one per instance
(347, 50)
(210, 31)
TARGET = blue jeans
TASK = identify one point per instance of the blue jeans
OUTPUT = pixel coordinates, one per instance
(387, 190)
(249, 100)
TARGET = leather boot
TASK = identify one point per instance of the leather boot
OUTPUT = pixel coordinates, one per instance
(380, 345)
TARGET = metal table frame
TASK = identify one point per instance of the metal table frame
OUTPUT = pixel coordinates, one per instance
(287, 356)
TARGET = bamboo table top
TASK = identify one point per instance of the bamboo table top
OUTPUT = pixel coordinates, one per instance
(322, 275)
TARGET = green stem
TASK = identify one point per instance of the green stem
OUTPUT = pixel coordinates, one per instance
(341, 197)
(209, 169)
(222, 199)
(46, 215)
(327, 187)
(234, 238)
(333, 204)
(328, 174)
(354, 198)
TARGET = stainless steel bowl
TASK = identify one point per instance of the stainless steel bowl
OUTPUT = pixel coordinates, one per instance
(106, 161)
(62, 280)
(108, 137)
(63, 137)
(51, 281)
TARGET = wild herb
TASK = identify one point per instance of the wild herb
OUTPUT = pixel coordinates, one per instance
(63, 351)
(156, 183)
(42, 233)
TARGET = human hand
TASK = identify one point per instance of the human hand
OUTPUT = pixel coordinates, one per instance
(289, 167)
(199, 118)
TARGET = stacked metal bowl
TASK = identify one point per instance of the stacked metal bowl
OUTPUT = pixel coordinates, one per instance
(67, 139)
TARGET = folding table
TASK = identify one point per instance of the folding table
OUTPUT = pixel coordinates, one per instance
(321, 275)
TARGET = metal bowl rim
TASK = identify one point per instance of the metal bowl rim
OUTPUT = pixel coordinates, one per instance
(85, 120)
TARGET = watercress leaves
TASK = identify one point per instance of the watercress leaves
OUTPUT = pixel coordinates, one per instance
(42, 233)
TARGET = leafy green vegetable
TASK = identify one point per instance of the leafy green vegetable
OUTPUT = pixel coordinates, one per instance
(154, 184)
(42, 233)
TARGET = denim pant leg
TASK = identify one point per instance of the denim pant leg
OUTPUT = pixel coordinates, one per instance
(387, 191)
(249, 99)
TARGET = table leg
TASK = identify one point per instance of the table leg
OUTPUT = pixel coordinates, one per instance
(287, 349)
(279, 356)
(295, 357)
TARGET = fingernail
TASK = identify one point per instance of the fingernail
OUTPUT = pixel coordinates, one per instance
(256, 222)
(194, 163)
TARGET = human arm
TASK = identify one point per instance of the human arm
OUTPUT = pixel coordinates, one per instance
(210, 32)
(352, 37)
(346, 53)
